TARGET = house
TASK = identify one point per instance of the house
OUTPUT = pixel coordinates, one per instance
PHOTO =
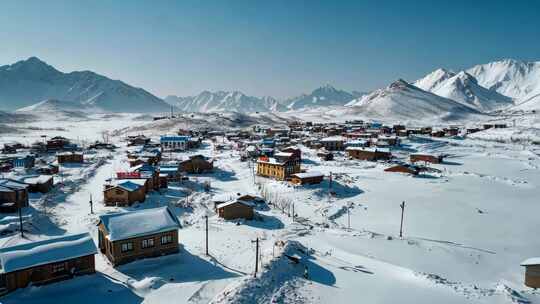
(271, 167)
(57, 143)
(137, 140)
(196, 164)
(296, 152)
(359, 143)
(127, 236)
(424, 157)
(235, 209)
(325, 155)
(46, 261)
(124, 193)
(307, 178)
(148, 172)
(70, 157)
(172, 171)
(13, 195)
(532, 272)
(39, 183)
(174, 143)
(371, 154)
(48, 169)
(27, 161)
(334, 143)
(404, 168)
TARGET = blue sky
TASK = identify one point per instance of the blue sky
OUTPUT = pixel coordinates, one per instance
(278, 48)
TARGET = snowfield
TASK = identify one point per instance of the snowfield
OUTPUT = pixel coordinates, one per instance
(467, 225)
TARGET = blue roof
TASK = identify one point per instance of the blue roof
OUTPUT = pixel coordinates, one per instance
(174, 138)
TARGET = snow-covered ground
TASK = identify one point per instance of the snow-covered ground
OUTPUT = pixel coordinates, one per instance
(466, 228)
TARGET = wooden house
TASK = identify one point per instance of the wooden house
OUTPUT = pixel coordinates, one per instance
(324, 155)
(127, 236)
(46, 261)
(56, 143)
(371, 154)
(70, 157)
(124, 193)
(137, 140)
(424, 157)
(532, 272)
(196, 164)
(39, 183)
(48, 169)
(307, 178)
(13, 195)
(334, 143)
(280, 170)
(404, 168)
(296, 152)
(236, 209)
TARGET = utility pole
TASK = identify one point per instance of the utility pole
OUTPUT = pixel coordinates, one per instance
(21, 222)
(401, 226)
(256, 257)
(91, 205)
(293, 214)
(349, 217)
(206, 217)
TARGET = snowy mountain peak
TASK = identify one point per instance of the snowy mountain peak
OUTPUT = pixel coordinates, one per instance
(464, 88)
(324, 96)
(432, 80)
(32, 81)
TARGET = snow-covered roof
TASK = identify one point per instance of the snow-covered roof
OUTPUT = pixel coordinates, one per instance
(308, 174)
(334, 138)
(384, 150)
(246, 203)
(33, 254)
(283, 154)
(126, 225)
(531, 262)
(270, 160)
(12, 184)
(40, 179)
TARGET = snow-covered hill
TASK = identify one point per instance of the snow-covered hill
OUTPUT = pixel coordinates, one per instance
(517, 79)
(30, 81)
(222, 101)
(463, 88)
(55, 105)
(320, 97)
(401, 100)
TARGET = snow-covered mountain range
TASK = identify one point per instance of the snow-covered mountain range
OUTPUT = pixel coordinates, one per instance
(221, 101)
(503, 85)
(30, 81)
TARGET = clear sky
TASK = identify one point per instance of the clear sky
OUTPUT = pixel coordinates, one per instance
(278, 48)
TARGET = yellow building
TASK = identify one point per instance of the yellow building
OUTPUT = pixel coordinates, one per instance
(273, 168)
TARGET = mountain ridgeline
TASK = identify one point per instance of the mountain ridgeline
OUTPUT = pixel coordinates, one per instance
(33, 85)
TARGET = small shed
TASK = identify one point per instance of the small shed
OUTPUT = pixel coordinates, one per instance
(425, 157)
(307, 178)
(532, 272)
(235, 209)
(70, 157)
(404, 168)
(39, 183)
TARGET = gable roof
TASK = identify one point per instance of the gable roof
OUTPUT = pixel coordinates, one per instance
(229, 203)
(38, 253)
(126, 225)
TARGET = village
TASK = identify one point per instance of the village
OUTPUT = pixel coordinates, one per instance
(157, 187)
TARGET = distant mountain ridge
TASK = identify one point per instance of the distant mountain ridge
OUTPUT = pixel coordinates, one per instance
(31, 81)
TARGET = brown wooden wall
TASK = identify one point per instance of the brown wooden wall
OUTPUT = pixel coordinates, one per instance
(113, 250)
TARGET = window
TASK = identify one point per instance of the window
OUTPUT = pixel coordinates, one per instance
(147, 243)
(118, 191)
(59, 267)
(166, 239)
(127, 247)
